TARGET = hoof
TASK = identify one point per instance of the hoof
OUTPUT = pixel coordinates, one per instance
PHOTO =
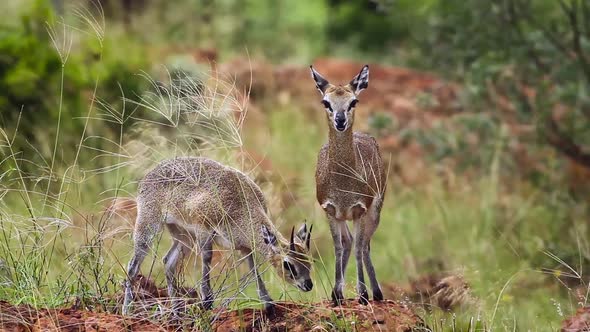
(207, 302)
(377, 295)
(207, 305)
(270, 311)
(337, 297)
(364, 298)
(128, 309)
(176, 319)
(178, 308)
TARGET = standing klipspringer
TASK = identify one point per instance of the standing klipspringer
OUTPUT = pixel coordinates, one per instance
(350, 182)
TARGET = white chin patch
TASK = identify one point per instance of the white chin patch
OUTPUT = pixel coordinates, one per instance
(340, 128)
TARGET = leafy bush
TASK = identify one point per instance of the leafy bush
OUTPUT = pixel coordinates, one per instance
(30, 70)
(534, 54)
(48, 84)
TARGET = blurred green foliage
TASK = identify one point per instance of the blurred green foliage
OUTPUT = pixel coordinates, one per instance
(535, 53)
(377, 26)
(486, 45)
(43, 77)
(474, 42)
(30, 71)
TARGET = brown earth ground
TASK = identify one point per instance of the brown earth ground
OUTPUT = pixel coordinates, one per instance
(580, 322)
(394, 91)
(322, 316)
(377, 316)
(26, 318)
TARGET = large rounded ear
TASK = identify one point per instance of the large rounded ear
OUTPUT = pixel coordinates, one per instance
(320, 82)
(360, 81)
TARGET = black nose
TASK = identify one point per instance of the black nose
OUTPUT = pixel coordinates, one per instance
(340, 120)
(308, 285)
(340, 124)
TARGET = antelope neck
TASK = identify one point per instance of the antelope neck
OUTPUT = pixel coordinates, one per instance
(340, 149)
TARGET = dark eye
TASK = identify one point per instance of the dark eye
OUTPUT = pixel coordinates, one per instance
(290, 268)
(327, 105)
(352, 104)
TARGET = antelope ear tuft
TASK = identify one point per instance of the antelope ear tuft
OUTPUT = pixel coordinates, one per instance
(320, 82)
(360, 81)
(292, 241)
(268, 236)
(302, 233)
(308, 239)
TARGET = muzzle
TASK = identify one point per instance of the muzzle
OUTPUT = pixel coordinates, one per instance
(340, 121)
(307, 285)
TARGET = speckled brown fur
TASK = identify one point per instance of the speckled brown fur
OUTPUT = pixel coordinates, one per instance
(350, 182)
(202, 202)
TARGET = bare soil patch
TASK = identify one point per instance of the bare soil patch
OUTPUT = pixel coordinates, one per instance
(151, 314)
(322, 316)
(26, 318)
(445, 292)
(580, 322)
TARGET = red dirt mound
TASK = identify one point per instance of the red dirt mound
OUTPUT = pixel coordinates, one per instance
(25, 318)
(322, 316)
(151, 314)
(580, 322)
(377, 316)
(446, 292)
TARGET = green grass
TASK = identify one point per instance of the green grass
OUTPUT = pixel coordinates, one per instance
(466, 228)
(492, 236)
(497, 230)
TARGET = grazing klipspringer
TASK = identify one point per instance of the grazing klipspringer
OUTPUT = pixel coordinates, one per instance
(201, 202)
(350, 182)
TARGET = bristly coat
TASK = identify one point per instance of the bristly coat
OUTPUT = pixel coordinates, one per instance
(350, 182)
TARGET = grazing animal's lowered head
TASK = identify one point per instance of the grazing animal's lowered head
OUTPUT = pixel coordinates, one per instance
(291, 260)
(340, 100)
(202, 202)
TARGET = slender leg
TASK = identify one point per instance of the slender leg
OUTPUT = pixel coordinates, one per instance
(183, 242)
(347, 244)
(370, 224)
(359, 247)
(377, 294)
(147, 227)
(206, 256)
(132, 270)
(171, 261)
(269, 307)
(342, 248)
